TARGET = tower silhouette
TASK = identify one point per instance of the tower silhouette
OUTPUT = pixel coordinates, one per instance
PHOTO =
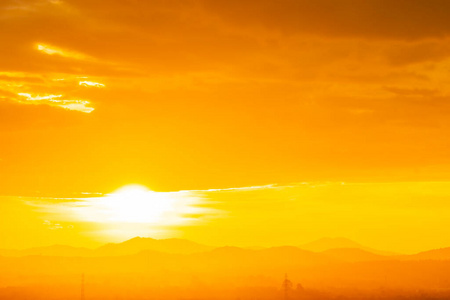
(287, 286)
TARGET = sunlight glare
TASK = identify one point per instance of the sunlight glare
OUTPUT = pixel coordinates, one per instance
(137, 204)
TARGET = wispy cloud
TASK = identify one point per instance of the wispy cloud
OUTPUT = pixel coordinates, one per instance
(91, 84)
(20, 87)
(51, 50)
(31, 5)
(52, 226)
(55, 100)
(245, 188)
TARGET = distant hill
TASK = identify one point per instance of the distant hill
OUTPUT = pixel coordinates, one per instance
(149, 266)
(225, 268)
(436, 254)
(132, 246)
(294, 255)
(332, 248)
(353, 255)
(255, 248)
(229, 251)
(334, 243)
(284, 255)
(138, 244)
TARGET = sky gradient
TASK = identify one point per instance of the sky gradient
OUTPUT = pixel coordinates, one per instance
(197, 95)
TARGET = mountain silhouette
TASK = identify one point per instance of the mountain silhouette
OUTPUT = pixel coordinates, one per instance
(224, 268)
(132, 246)
(335, 248)
(144, 266)
(436, 254)
(340, 242)
(353, 255)
(138, 244)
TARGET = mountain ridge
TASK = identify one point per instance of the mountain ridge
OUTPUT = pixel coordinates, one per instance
(335, 248)
(328, 243)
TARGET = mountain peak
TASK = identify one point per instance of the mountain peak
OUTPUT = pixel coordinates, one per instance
(138, 239)
(138, 244)
(327, 243)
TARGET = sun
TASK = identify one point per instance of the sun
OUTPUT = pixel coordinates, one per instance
(138, 204)
(135, 210)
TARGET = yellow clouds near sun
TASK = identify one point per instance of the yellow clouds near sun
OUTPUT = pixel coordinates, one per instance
(29, 87)
(54, 100)
(25, 85)
(91, 84)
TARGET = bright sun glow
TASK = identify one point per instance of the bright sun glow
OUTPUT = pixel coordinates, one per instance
(137, 204)
(134, 210)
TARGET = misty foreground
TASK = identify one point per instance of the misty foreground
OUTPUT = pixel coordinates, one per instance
(179, 269)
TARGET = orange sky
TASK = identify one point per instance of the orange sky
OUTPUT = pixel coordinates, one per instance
(200, 94)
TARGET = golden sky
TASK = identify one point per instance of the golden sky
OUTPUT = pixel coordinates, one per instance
(196, 95)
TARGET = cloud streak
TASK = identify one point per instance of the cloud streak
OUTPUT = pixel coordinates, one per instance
(54, 100)
(91, 84)
(50, 50)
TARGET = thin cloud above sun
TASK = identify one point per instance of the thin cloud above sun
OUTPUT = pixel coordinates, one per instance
(91, 84)
(55, 100)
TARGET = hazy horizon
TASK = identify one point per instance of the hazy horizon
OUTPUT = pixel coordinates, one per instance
(243, 215)
(299, 245)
